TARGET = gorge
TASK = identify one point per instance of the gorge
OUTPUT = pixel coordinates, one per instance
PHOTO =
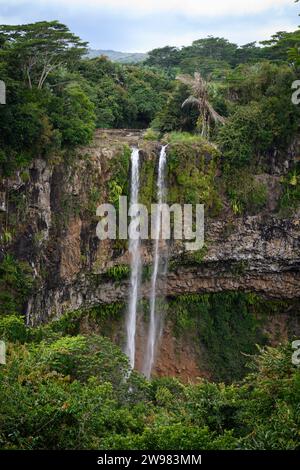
(256, 253)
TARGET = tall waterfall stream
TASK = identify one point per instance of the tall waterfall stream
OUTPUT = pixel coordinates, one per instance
(136, 264)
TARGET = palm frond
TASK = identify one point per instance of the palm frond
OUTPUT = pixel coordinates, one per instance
(216, 117)
(185, 79)
(200, 98)
(191, 101)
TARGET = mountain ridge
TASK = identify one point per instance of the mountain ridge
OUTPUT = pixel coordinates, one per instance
(118, 56)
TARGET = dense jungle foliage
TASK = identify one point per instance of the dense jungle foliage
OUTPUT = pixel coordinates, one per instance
(57, 103)
(222, 108)
(68, 392)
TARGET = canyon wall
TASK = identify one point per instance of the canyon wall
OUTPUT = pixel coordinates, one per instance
(258, 253)
(56, 233)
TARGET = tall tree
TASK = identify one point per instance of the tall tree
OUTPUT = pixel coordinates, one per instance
(213, 47)
(280, 44)
(164, 57)
(294, 52)
(37, 49)
(200, 99)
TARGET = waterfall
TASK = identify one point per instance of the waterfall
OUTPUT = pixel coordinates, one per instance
(135, 264)
(154, 320)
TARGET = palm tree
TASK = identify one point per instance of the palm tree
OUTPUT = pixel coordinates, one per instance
(200, 99)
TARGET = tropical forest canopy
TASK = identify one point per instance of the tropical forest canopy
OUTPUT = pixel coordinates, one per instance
(57, 96)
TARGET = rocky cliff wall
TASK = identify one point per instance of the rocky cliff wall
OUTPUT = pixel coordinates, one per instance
(56, 233)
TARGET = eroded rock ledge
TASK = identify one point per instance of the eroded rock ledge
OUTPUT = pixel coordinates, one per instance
(261, 255)
(57, 236)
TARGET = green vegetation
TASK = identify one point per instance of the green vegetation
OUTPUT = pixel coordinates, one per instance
(254, 96)
(191, 165)
(118, 273)
(151, 134)
(214, 55)
(42, 115)
(239, 97)
(225, 112)
(200, 100)
(184, 138)
(191, 173)
(290, 198)
(227, 327)
(148, 182)
(56, 96)
(12, 328)
(118, 184)
(124, 95)
(262, 117)
(16, 283)
(245, 193)
(68, 392)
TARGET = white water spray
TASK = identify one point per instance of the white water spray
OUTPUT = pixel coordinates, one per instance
(135, 264)
(154, 320)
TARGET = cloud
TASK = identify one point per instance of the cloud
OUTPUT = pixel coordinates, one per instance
(188, 8)
(12, 19)
(145, 24)
(147, 38)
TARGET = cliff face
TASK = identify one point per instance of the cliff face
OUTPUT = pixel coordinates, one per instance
(261, 256)
(56, 233)
(52, 210)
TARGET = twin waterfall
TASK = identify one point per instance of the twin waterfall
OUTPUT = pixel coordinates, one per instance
(136, 264)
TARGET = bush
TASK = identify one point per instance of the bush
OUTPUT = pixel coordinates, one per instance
(71, 393)
(118, 184)
(151, 134)
(191, 172)
(118, 273)
(290, 198)
(12, 328)
(246, 195)
(183, 137)
(244, 136)
(72, 113)
(172, 117)
(16, 283)
(82, 357)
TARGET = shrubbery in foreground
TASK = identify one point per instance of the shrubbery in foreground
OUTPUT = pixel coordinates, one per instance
(69, 392)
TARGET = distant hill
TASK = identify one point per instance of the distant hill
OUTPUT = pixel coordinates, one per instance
(116, 56)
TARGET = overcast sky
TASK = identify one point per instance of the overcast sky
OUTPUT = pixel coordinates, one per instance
(141, 25)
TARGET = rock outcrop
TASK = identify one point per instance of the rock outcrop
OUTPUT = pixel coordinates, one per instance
(258, 253)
